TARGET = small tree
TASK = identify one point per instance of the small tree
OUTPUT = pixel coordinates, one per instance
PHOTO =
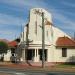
(17, 40)
(3, 47)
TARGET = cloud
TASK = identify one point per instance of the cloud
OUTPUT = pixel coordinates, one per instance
(69, 4)
(19, 5)
(24, 3)
(8, 20)
(6, 32)
(9, 34)
(65, 22)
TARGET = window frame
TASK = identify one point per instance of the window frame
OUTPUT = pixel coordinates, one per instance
(64, 52)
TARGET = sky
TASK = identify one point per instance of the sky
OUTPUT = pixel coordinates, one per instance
(14, 14)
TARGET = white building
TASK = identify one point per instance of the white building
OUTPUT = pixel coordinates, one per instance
(59, 47)
(10, 53)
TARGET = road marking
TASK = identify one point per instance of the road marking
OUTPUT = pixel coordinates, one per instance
(17, 73)
(20, 73)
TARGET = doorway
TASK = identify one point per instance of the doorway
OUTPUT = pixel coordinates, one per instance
(30, 54)
(40, 54)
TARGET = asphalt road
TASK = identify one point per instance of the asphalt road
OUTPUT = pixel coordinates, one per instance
(9, 71)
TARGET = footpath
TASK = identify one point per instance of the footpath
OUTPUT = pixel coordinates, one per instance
(25, 67)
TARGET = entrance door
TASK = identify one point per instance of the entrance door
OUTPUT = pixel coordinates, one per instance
(30, 54)
(45, 53)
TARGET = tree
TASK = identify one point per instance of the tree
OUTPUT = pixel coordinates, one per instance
(3, 47)
(17, 40)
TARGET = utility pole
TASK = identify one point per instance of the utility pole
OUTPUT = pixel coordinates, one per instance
(43, 41)
(27, 41)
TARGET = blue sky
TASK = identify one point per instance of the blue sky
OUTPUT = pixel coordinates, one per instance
(14, 15)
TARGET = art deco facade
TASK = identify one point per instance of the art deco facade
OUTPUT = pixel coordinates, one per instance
(59, 47)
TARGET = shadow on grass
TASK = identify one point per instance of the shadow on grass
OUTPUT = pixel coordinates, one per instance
(69, 63)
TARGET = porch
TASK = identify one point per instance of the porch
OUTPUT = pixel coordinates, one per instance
(34, 55)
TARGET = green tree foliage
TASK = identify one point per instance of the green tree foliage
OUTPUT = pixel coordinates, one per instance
(17, 40)
(3, 47)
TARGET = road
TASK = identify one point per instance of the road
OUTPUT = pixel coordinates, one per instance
(9, 71)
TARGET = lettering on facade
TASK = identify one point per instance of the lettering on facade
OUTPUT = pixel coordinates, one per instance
(37, 12)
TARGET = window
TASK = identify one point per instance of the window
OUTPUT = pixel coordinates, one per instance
(64, 52)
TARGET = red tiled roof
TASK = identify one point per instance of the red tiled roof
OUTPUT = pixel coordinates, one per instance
(65, 41)
(12, 43)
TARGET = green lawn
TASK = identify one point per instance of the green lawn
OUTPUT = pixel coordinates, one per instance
(65, 65)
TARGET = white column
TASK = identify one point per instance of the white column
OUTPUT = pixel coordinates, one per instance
(36, 57)
(23, 55)
(35, 53)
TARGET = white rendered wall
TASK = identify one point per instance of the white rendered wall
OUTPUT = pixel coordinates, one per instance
(58, 55)
(7, 56)
(32, 25)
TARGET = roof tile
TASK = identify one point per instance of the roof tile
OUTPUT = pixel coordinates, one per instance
(65, 41)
